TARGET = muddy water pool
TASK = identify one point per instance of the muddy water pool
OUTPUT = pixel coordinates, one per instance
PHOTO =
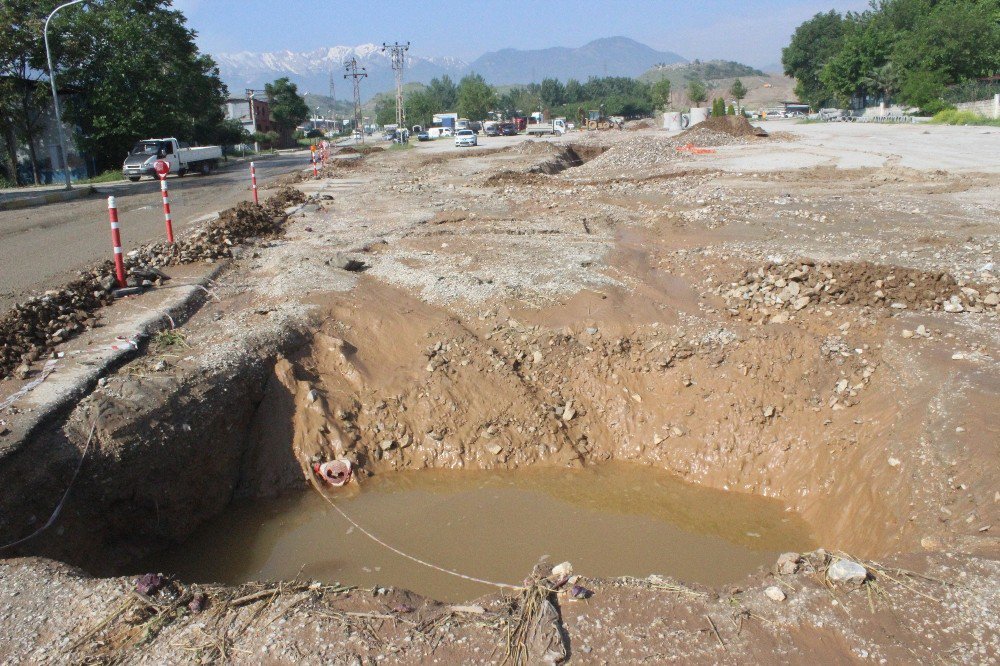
(608, 520)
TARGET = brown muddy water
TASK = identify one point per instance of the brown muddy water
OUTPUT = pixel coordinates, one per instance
(610, 520)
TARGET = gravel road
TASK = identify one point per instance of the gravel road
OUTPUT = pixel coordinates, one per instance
(41, 247)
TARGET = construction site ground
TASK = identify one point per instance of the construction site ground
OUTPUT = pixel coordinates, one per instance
(810, 317)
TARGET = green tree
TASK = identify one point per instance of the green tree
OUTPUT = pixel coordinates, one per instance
(552, 92)
(385, 110)
(138, 73)
(420, 108)
(475, 97)
(697, 92)
(444, 92)
(813, 44)
(573, 92)
(24, 95)
(288, 108)
(739, 92)
(660, 92)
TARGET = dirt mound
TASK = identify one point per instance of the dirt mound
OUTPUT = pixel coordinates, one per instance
(636, 125)
(778, 288)
(737, 126)
(635, 155)
(276, 204)
(360, 150)
(533, 147)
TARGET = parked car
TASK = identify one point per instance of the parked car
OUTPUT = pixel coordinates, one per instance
(423, 136)
(508, 129)
(466, 137)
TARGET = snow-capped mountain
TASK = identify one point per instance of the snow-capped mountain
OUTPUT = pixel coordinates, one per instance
(613, 56)
(311, 70)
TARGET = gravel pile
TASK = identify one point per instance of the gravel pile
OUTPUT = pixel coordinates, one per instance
(794, 286)
(737, 126)
(636, 125)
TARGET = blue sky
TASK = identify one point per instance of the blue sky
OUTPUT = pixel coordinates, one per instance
(749, 31)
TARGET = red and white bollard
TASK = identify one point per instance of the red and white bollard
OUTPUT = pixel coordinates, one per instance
(116, 242)
(315, 171)
(166, 210)
(253, 181)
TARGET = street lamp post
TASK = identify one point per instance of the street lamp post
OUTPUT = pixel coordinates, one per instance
(55, 95)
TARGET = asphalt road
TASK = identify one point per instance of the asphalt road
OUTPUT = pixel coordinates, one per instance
(42, 247)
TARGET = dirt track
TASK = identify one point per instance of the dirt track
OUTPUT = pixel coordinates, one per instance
(827, 336)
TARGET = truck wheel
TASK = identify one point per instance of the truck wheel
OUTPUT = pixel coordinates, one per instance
(206, 168)
(134, 179)
(181, 172)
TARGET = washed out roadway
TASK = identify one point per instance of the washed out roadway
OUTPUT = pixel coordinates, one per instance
(43, 247)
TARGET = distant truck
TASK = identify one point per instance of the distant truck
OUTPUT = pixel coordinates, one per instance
(557, 126)
(181, 158)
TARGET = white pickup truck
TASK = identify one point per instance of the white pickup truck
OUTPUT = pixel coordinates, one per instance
(182, 159)
(557, 126)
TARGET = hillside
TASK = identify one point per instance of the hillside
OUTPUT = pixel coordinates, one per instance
(708, 71)
(613, 56)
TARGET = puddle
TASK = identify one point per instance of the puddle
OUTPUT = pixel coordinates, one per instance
(611, 520)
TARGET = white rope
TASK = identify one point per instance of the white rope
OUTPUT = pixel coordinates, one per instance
(58, 509)
(503, 586)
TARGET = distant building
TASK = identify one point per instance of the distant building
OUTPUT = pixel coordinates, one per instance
(238, 108)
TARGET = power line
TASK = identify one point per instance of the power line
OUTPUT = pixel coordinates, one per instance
(356, 74)
(398, 52)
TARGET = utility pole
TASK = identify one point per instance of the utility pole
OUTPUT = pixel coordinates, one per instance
(356, 74)
(398, 52)
(333, 99)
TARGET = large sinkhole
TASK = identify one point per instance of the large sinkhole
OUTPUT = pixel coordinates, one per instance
(480, 446)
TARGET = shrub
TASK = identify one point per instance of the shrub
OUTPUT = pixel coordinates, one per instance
(956, 117)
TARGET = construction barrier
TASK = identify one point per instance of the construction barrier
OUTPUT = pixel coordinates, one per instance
(166, 209)
(116, 242)
(253, 182)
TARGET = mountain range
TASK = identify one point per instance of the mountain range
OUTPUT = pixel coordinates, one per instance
(312, 70)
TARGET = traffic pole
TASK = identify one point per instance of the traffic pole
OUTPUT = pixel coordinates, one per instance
(253, 182)
(312, 152)
(116, 242)
(166, 210)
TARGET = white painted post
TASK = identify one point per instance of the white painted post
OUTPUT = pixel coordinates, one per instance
(996, 106)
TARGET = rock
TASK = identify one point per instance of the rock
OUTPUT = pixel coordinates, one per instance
(347, 262)
(23, 371)
(847, 572)
(923, 332)
(149, 583)
(788, 563)
(568, 412)
(386, 444)
(495, 449)
(954, 305)
(992, 300)
(893, 462)
(907, 333)
(800, 302)
(769, 411)
(774, 593)
(563, 570)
